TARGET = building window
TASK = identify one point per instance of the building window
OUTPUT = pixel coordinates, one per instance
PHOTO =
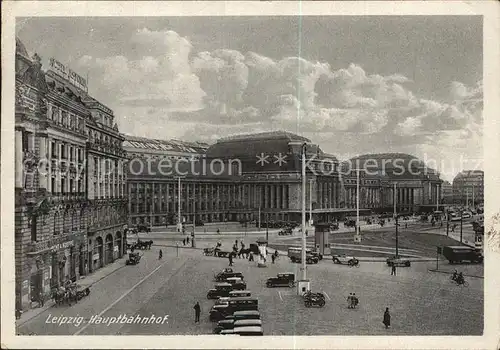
(33, 229)
(71, 186)
(54, 149)
(63, 151)
(53, 184)
(63, 187)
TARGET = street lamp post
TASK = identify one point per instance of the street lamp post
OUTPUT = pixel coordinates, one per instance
(303, 285)
(179, 219)
(304, 273)
(461, 224)
(396, 220)
(267, 227)
(193, 244)
(310, 200)
(357, 203)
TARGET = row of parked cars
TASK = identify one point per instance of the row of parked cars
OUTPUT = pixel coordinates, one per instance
(235, 310)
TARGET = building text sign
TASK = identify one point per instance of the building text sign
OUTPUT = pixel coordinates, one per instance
(66, 73)
(55, 244)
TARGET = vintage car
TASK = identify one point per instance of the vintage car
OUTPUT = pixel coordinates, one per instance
(133, 259)
(227, 273)
(237, 283)
(223, 324)
(219, 312)
(295, 255)
(231, 324)
(398, 261)
(240, 294)
(244, 315)
(220, 290)
(222, 300)
(344, 259)
(281, 280)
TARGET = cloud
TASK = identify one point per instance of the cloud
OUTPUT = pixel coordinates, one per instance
(163, 79)
(174, 91)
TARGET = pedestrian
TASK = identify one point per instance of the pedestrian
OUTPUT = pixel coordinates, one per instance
(184, 241)
(231, 259)
(218, 231)
(354, 300)
(273, 257)
(393, 270)
(187, 240)
(250, 256)
(197, 312)
(160, 255)
(387, 318)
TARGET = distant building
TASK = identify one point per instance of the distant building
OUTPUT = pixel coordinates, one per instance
(447, 192)
(468, 187)
(417, 186)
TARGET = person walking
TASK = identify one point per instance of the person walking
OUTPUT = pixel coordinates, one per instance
(187, 240)
(184, 241)
(273, 257)
(393, 270)
(387, 318)
(231, 259)
(349, 301)
(160, 255)
(197, 312)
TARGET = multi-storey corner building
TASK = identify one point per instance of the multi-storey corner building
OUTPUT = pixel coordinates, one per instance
(468, 187)
(53, 243)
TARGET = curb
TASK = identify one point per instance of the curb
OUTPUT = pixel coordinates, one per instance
(50, 303)
(451, 273)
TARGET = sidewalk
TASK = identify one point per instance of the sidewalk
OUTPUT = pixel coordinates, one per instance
(86, 281)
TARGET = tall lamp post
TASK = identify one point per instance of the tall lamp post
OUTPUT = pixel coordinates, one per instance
(179, 218)
(304, 284)
(396, 220)
(357, 238)
(310, 201)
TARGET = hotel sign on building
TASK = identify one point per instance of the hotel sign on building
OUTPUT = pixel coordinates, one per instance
(68, 74)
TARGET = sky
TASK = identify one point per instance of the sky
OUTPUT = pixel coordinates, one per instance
(352, 84)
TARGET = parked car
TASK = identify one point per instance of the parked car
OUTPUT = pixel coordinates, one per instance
(220, 290)
(281, 280)
(231, 324)
(237, 283)
(244, 315)
(219, 312)
(344, 259)
(458, 254)
(398, 261)
(226, 273)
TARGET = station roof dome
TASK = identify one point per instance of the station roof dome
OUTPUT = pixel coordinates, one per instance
(395, 165)
(249, 145)
(466, 175)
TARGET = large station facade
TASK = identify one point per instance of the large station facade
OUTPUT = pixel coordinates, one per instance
(69, 216)
(260, 175)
